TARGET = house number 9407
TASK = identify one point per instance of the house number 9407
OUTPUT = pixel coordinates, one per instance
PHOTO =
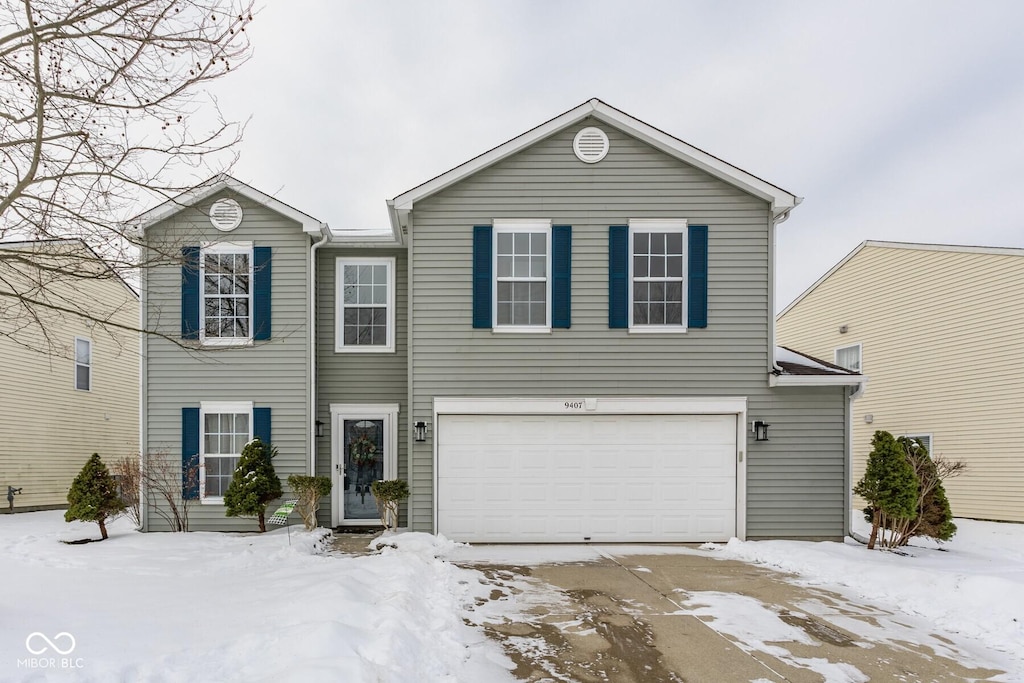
(574, 405)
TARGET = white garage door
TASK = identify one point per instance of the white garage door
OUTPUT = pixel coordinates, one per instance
(575, 478)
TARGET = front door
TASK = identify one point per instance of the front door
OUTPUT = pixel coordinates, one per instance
(363, 453)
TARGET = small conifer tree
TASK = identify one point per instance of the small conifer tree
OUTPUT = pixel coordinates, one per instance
(254, 483)
(93, 495)
(889, 484)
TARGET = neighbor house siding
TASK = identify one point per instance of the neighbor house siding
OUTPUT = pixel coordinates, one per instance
(271, 373)
(942, 334)
(359, 377)
(728, 358)
(49, 429)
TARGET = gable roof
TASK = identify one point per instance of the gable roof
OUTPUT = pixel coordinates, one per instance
(780, 200)
(52, 246)
(214, 185)
(915, 246)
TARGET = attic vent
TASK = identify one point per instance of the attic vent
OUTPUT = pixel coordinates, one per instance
(225, 214)
(590, 145)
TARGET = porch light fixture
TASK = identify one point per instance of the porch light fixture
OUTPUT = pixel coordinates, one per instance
(421, 431)
(319, 428)
(761, 430)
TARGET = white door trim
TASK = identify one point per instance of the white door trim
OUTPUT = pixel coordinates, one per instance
(567, 405)
(346, 411)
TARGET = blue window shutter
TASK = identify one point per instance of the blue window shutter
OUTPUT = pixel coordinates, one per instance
(190, 292)
(618, 276)
(482, 276)
(261, 424)
(261, 293)
(561, 276)
(190, 453)
(697, 284)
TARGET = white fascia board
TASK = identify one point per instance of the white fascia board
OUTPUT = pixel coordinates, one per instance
(576, 404)
(310, 225)
(780, 200)
(815, 380)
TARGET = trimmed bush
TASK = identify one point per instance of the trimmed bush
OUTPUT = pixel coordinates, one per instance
(93, 496)
(309, 491)
(254, 483)
(389, 493)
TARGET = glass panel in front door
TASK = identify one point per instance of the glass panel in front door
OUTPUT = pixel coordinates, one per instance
(364, 464)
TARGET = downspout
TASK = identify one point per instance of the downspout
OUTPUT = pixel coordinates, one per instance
(325, 235)
(143, 386)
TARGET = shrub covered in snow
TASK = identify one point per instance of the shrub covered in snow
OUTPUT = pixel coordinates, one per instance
(93, 495)
(254, 483)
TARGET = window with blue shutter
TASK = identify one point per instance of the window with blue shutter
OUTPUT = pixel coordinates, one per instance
(561, 276)
(483, 238)
(190, 453)
(226, 298)
(658, 276)
(223, 428)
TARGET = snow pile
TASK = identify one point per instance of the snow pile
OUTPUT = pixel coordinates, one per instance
(973, 586)
(202, 606)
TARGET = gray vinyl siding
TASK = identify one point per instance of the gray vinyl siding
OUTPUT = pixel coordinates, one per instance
(729, 358)
(359, 377)
(271, 373)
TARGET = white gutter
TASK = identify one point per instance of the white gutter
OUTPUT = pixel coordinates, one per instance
(820, 381)
(325, 235)
(143, 385)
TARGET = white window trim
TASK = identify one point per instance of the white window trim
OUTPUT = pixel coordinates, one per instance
(339, 306)
(520, 225)
(360, 411)
(928, 435)
(660, 225)
(89, 365)
(860, 356)
(214, 407)
(223, 248)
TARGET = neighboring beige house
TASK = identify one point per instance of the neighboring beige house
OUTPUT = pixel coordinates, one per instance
(939, 331)
(70, 386)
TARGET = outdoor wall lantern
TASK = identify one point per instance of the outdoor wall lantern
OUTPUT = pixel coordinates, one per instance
(319, 428)
(761, 430)
(421, 431)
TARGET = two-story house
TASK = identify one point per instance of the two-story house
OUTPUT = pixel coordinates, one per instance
(71, 368)
(567, 338)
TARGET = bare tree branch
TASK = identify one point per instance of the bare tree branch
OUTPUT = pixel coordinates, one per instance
(103, 110)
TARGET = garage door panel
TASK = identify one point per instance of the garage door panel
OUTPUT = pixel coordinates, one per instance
(571, 478)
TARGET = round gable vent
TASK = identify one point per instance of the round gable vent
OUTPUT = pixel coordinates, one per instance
(225, 214)
(590, 145)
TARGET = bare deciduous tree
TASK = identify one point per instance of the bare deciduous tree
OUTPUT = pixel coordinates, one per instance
(102, 111)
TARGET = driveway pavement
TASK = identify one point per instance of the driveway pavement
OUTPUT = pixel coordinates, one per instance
(687, 617)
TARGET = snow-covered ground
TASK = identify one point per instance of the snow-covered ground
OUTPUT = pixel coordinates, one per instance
(229, 607)
(223, 607)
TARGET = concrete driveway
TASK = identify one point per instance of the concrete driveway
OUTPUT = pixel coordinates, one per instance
(688, 617)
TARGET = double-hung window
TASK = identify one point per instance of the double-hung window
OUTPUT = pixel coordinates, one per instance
(849, 357)
(226, 429)
(657, 275)
(366, 305)
(522, 282)
(83, 364)
(226, 277)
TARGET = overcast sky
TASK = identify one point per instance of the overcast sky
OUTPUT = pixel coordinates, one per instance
(893, 120)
